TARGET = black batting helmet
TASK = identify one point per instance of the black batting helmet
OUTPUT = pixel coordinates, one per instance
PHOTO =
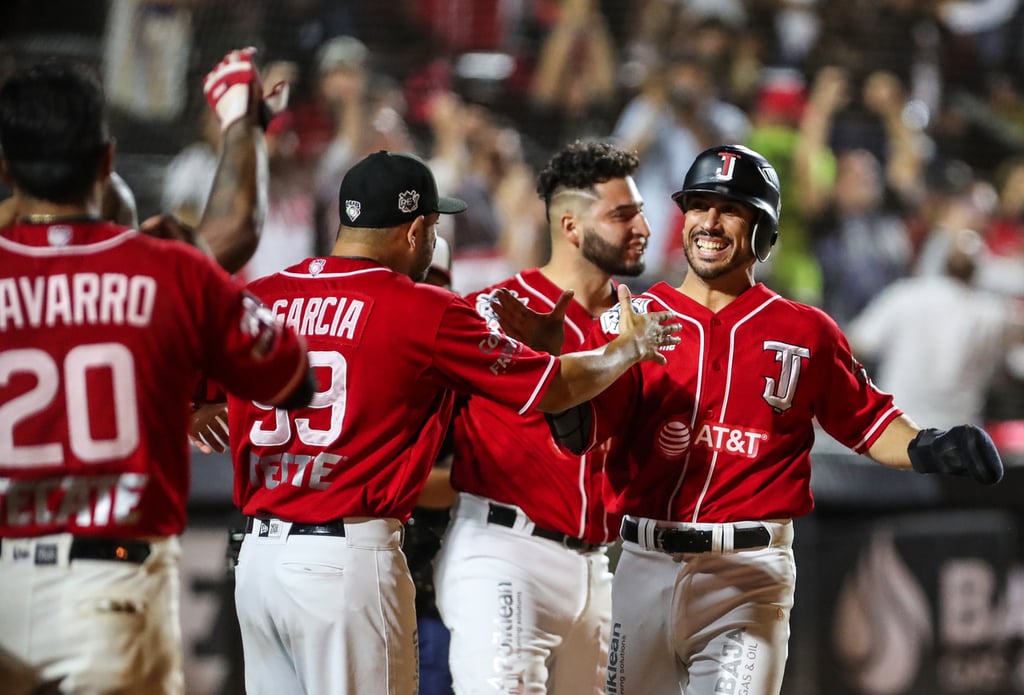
(740, 173)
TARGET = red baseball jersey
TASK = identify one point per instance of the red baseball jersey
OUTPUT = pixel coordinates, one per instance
(103, 335)
(515, 460)
(723, 432)
(388, 353)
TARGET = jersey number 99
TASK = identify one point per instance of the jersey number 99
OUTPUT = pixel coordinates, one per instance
(333, 399)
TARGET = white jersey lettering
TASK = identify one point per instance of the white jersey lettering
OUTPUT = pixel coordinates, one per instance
(90, 501)
(78, 299)
(297, 470)
(732, 440)
(336, 316)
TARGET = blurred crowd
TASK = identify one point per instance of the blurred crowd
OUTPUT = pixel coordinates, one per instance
(897, 128)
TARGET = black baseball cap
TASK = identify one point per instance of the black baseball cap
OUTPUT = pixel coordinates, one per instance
(386, 189)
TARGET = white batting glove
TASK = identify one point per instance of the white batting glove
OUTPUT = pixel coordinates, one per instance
(229, 86)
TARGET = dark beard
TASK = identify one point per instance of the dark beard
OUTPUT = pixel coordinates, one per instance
(608, 257)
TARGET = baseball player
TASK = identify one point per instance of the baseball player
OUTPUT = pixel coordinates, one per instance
(424, 530)
(324, 597)
(105, 332)
(523, 579)
(712, 449)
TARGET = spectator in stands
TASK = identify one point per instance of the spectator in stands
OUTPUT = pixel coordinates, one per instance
(573, 89)
(1003, 269)
(348, 116)
(501, 232)
(860, 238)
(937, 340)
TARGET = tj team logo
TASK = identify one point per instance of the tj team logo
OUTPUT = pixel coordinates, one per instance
(779, 393)
(728, 168)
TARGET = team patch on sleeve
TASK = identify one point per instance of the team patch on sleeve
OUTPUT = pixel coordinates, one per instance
(485, 307)
(610, 319)
(503, 349)
(259, 323)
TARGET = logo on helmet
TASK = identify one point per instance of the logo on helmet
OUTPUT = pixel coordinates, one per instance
(770, 175)
(728, 168)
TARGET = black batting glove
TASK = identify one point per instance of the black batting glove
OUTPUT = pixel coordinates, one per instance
(964, 450)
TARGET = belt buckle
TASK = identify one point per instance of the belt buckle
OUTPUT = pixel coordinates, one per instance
(658, 540)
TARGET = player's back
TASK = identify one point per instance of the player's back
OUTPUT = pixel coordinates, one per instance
(387, 352)
(105, 332)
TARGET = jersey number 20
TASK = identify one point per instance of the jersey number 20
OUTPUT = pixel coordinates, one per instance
(114, 358)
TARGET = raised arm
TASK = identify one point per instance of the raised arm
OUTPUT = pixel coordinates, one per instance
(233, 218)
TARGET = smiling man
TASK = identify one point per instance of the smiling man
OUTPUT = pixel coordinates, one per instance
(711, 450)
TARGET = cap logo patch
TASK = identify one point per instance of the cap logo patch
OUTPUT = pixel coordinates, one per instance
(352, 209)
(408, 201)
(316, 265)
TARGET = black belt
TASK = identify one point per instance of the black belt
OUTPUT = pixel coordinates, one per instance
(86, 548)
(506, 516)
(682, 540)
(327, 528)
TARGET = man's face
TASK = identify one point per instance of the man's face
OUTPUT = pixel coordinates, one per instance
(716, 235)
(615, 231)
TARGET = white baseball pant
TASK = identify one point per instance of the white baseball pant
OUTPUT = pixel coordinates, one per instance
(89, 625)
(327, 614)
(527, 616)
(705, 623)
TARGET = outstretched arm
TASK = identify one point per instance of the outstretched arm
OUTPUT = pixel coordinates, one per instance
(583, 375)
(963, 450)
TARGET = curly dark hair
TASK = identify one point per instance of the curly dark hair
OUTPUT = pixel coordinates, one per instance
(582, 164)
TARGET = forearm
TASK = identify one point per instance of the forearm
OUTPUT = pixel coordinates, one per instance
(890, 449)
(234, 213)
(583, 375)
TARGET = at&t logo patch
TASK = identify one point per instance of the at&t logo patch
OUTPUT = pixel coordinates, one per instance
(673, 439)
(720, 437)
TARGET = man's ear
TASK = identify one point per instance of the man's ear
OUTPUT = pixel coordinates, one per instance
(570, 226)
(415, 233)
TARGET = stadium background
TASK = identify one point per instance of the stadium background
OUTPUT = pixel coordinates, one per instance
(907, 584)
